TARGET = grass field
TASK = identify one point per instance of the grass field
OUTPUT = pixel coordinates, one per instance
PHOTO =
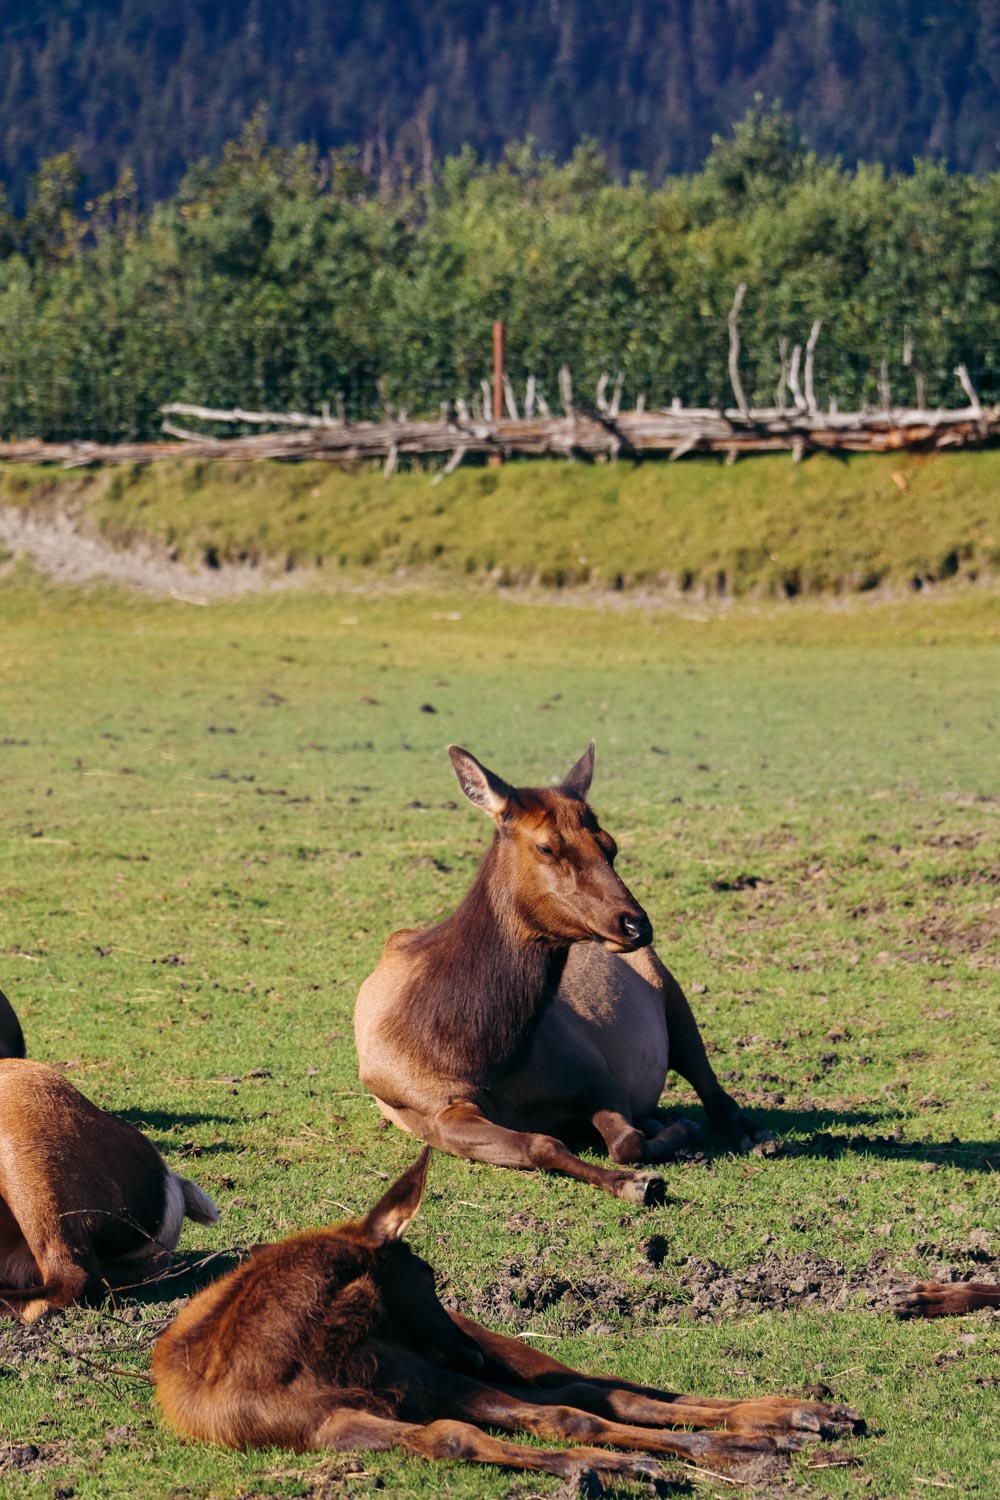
(765, 526)
(212, 818)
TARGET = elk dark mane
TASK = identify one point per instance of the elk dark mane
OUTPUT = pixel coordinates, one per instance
(478, 986)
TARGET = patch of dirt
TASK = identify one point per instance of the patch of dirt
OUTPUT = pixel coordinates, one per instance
(95, 1341)
(57, 547)
(990, 876)
(587, 1484)
(698, 1289)
(18, 1458)
(977, 941)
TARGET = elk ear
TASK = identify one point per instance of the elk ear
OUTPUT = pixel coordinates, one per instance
(395, 1210)
(578, 780)
(480, 786)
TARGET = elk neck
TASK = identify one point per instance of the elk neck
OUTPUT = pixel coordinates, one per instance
(481, 980)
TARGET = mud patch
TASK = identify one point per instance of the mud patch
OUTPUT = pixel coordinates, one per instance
(698, 1289)
(976, 941)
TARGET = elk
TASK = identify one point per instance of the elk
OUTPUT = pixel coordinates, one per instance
(538, 1010)
(335, 1338)
(86, 1201)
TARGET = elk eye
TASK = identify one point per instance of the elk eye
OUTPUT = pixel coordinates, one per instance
(543, 848)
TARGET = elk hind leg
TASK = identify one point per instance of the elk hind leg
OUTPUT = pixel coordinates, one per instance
(549, 1420)
(520, 1368)
(347, 1429)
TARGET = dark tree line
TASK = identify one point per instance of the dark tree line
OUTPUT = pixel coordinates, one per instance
(152, 87)
(285, 277)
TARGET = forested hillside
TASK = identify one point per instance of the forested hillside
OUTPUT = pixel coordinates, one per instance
(151, 86)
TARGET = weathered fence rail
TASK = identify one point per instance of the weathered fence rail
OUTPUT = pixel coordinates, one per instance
(592, 433)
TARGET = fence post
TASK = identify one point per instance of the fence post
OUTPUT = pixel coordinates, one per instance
(498, 372)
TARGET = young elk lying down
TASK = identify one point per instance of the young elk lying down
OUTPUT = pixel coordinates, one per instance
(538, 1011)
(85, 1200)
(335, 1339)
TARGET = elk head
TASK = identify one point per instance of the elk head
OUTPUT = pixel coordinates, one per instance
(554, 862)
(404, 1281)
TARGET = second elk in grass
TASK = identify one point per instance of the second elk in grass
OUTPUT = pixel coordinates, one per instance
(87, 1203)
(538, 1011)
(336, 1339)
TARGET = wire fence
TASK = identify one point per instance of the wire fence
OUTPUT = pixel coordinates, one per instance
(107, 383)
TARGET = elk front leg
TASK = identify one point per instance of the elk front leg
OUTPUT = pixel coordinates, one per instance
(464, 1130)
(348, 1430)
(625, 1141)
(765, 1416)
(689, 1059)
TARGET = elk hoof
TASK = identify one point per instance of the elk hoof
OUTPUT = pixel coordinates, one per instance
(912, 1301)
(808, 1419)
(645, 1188)
(932, 1299)
(747, 1137)
(841, 1421)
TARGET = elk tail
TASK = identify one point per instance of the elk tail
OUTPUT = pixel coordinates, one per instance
(198, 1205)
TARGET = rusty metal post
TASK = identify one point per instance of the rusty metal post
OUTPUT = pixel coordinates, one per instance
(498, 332)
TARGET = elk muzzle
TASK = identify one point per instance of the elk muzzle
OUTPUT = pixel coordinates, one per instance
(630, 929)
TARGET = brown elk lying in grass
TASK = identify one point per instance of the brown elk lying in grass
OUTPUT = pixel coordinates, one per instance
(538, 1009)
(335, 1338)
(944, 1299)
(86, 1201)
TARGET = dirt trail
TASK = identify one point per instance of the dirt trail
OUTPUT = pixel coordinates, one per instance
(59, 549)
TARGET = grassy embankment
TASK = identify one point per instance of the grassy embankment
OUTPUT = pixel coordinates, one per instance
(214, 816)
(764, 526)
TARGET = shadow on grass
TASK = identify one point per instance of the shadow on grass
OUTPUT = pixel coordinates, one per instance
(189, 1271)
(162, 1119)
(149, 1121)
(826, 1134)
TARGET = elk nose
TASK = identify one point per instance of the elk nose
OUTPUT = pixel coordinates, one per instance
(637, 928)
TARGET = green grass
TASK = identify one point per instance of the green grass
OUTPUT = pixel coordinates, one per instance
(212, 817)
(763, 526)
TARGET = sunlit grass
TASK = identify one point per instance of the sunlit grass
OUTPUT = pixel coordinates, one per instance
(212, 818)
